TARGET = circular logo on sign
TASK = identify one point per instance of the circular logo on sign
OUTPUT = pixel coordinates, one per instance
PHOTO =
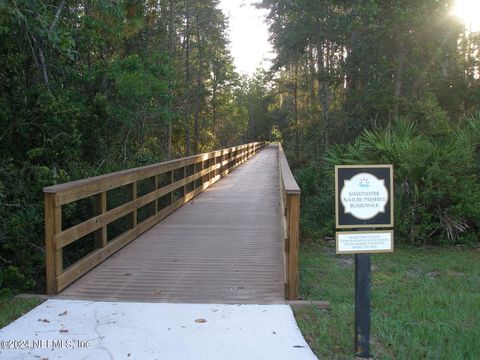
(364, 196)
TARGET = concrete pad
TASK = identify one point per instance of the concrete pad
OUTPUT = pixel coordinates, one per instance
(73, 329)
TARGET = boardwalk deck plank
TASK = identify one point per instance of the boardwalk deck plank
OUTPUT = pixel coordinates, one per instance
(224, 246)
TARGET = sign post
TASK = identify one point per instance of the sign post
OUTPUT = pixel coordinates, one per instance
(363, 199)
(362, 305)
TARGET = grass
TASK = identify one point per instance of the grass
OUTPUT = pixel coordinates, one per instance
(425, 303)
(13, 308)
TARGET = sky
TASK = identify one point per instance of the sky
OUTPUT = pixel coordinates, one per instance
(248, 35)
(469, 12)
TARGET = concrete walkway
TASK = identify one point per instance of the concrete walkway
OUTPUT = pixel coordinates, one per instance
(77, 329)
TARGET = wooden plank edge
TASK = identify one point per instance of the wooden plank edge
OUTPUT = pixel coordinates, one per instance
(320, 304)
(298, 304)
(24, 296)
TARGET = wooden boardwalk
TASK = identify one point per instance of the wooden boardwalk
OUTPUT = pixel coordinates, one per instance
(224, 246)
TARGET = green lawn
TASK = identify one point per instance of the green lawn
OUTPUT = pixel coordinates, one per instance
(13, 308)
(425, 303)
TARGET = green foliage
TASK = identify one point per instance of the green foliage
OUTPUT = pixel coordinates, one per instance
(316, 219)
(344, 67)
(12, 278)
(13, 308)
(424, 302)
(436, 182)
(93, 87)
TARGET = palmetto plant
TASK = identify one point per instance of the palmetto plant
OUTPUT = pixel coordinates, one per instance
(436, 182)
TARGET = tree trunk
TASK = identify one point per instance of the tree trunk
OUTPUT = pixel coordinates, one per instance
(214, 93)
(295, 112)
(56, 18)
(323, 90)
(171, 30)
(311, 75)
(42, 62)
(171, 50)
(399, 75)
(187, 80)
(196, 114)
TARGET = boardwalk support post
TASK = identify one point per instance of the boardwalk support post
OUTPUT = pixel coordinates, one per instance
(293, 236)
(101, 208)
(290, 217)
(53, 226)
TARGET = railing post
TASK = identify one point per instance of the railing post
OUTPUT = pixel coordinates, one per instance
(132, 195)
(290, 199)
(221, 166)
(172, 180)
(206, 177)
(195, 170)
(157, 183)
(184, 186)
(293, 201)
(224, 167)
(100, 208)
(53, 226)
(214, 165)
(209, 163)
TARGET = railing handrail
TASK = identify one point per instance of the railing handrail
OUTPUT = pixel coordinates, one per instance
(289, 183)
(290, 221)
(204, 173)
(112, 180)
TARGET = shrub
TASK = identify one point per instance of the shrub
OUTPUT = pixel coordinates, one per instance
(316, 220)
(437, 187)
(12, 278)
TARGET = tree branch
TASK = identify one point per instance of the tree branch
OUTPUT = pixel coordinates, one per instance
(54, 23)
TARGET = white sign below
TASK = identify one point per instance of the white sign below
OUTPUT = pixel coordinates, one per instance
(358, 242)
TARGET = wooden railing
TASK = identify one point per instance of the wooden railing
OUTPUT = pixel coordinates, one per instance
(186, 178)
(290, 216)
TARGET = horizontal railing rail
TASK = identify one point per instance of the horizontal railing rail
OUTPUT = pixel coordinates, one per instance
(187, 177)
(290, 219)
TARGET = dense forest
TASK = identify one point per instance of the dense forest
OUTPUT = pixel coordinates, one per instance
(89, 87)
(394, 82)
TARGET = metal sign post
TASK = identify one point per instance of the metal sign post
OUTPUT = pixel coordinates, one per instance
(363, 199)
(362, 305)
